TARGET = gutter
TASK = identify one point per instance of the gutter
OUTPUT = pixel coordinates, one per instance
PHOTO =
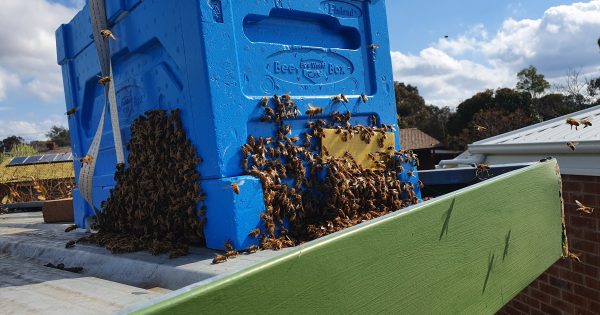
(591, 147)
(474, 159)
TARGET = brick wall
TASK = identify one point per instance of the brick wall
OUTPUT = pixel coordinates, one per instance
(570, 287)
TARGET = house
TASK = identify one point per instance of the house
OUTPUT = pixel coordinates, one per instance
(568, 287)
(429, 150)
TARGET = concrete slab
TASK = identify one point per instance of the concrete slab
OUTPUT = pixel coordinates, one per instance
(29, 288)
(25, 236)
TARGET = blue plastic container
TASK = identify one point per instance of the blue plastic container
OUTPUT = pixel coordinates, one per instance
(215, 60)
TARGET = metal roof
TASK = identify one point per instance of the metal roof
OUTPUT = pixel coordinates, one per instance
(548, 138)
(552, 131)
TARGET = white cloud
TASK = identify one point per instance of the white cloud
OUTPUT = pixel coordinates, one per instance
(454, 69)
(29, 130)
(28, 49)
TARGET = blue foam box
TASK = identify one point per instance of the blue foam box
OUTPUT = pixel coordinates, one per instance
(215, 60)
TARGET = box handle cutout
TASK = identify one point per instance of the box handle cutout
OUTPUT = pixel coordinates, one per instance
(287, 27)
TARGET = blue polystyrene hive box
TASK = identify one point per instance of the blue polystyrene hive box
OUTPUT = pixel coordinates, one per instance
(215, 60)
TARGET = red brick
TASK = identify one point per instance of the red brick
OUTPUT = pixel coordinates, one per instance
(587, 292)
(574, 299)
(520, 306)
(560, 283)
(536, 312)
(592, 283)
(594, 307)
(540, 296)
(543, 278)
(529, 301)
(592, 236)
(562, 305)
(550, 310)
(583, 311)
(511, 310)
(565, 264)
(576, 234)
(571, 276)
(572, 186)
(593, 260)
(584, 246)
(582, 222)
(548, 289)
(585, 269)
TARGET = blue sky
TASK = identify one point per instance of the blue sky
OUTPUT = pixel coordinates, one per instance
(415, 25)
(489, 42)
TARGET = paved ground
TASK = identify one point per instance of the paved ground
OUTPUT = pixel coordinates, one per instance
(109, 283)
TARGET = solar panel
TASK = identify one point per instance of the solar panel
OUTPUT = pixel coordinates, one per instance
(17, 160)
(65, 157)
(48, 158)
(41, 159)
(32, 160)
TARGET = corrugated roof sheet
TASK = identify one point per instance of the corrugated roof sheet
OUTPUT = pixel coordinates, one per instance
(415, 139)
(552, 131)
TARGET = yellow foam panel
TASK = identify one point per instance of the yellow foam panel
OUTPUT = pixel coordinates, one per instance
(359, 149)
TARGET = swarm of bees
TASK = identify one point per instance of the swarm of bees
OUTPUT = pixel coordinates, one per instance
(156, 204)
(309, 194)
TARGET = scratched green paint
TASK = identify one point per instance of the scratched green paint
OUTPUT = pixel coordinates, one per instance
(467, 252)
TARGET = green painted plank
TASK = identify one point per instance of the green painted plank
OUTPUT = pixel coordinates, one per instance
(467, 252)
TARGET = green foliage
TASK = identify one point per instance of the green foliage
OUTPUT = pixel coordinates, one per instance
(10, 142)
(532, 82)
(60, 136)
(413, 112)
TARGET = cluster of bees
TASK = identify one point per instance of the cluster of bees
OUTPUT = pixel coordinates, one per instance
(308, 193)
(156, 203)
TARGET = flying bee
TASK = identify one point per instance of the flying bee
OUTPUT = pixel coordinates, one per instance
(70, 244)
(364, 98)
(584, 209)
(573, 122)
(586, 122)
(480, 128)
(71, 111)
(108, 34)
(236, 188)
(219, 259)
(314, 111)
(71, 228)
(86, 159)
(104, 80)
(254, 233)
(572, 145)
